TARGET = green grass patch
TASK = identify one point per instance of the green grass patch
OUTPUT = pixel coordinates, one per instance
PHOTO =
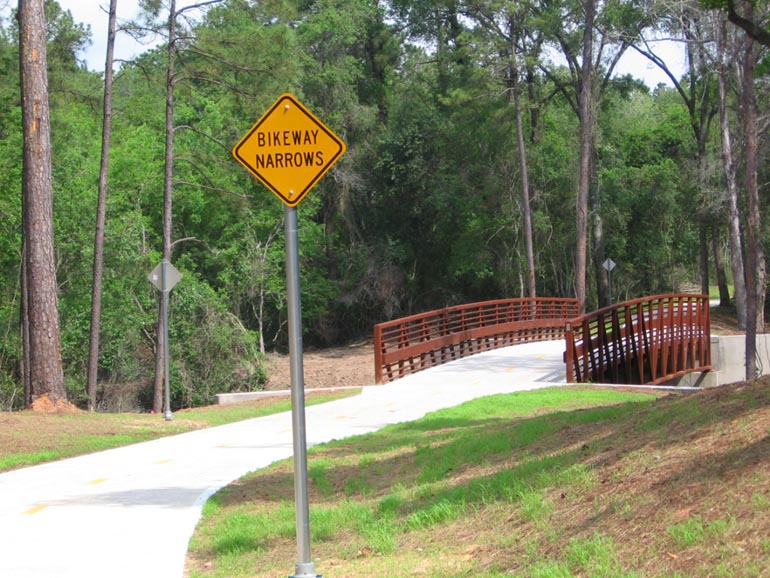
(596, 557)
(695, 530)
(563, 482)
(432, 452)
(224, 414)
(28, 439)
(27, 459)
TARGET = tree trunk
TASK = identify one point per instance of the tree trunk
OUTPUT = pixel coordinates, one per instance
(602, 276)
(704, 256)
(719, 266)
(728, 162)
(261, 318)
(160, 351)
(46, 376)
(330, 216)
(101, 210)
(586, 140)
(700, 106)
(24, 325)
(534, 111)
(526, 209)
(167, 202)
(755, 266)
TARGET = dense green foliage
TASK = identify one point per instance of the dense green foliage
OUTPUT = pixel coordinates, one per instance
(423, 211)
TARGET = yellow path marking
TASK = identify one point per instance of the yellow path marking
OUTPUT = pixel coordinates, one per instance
(161, 462)
(36, 509)
(223, 446)
(97, 481)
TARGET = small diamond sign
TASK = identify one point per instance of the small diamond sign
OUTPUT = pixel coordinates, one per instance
(165, 276)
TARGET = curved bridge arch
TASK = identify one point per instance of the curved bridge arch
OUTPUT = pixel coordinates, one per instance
(410, 344)
(649, 340)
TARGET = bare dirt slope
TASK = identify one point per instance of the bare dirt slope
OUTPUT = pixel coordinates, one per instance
(347, 366)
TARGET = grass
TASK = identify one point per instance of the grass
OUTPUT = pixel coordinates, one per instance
(27, 438)
(556, 483)
(714, 291)
(695, 531)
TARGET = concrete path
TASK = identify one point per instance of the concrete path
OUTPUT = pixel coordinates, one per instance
(130, 512)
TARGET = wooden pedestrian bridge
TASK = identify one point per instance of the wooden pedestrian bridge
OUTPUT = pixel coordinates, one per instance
(651, 340)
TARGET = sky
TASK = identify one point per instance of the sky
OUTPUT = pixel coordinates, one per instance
(94, 13)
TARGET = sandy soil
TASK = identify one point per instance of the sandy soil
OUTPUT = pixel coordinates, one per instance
(347, 366)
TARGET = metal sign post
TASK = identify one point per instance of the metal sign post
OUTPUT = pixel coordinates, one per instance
(165, 276)
(304, 566)
(289, 150)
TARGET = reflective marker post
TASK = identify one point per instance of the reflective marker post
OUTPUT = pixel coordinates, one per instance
(165, 277)
(609, 265)
(304, 567)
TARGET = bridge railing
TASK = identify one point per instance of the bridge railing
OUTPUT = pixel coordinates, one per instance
(410, 344)
(645, 341)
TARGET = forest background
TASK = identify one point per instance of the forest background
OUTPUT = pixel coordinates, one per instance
(468, 129)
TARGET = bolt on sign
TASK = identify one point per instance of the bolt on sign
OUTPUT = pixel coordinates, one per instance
(289, 149)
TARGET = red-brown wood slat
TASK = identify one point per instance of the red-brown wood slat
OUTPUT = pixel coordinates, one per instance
(655, 339)
(443, 335)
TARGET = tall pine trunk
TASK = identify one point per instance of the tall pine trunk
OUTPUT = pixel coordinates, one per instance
(101, 210)
(46, 376)
(162, 349)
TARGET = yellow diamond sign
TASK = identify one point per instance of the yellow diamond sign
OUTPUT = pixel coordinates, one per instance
(289, 149)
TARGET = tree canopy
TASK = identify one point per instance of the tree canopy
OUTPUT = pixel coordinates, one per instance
(424, 210)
